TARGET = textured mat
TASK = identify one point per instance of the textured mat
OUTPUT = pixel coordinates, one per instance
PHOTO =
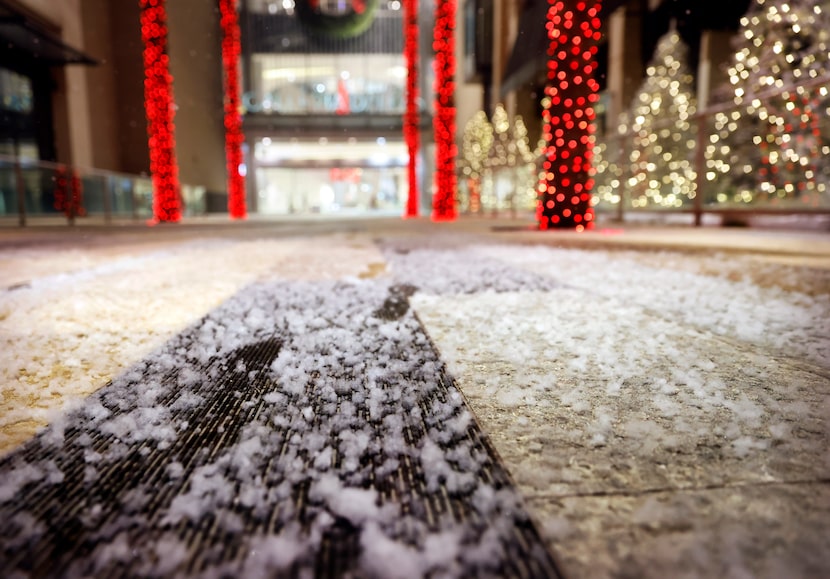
(301, 429)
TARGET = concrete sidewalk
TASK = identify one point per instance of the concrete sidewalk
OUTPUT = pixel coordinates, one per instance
(660, 395)
(648, 439)
(789, 239)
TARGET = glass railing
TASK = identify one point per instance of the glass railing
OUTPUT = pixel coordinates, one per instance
(39, 189)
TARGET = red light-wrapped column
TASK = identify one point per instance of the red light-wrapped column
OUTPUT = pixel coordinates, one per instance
(158, 103)
(410, 119)
(69, 193)
(568, 115)
(443, 203)
(231, 49)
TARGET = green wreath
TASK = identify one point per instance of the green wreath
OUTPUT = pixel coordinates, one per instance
(353, 23)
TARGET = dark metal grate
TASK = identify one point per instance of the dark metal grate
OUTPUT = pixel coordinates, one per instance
(101, 504)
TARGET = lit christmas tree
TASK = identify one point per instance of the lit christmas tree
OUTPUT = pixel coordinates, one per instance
(498, 185)
(475, 150)
(503, 151)
(609, 166)
(526, 173)
(771, 147)
(662, 160)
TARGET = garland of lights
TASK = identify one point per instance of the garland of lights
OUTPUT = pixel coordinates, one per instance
(158, 103)
(443, 204)
(410, 118)
(69, 193)
(770, 148)
(525, 197)
(476, 142)
(347, 25)
(231, 49)
(568, 115)
(662, 172)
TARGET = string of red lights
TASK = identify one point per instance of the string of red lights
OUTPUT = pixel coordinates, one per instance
(565, 199)
(158, 103)
(410, 119)
(443, 202)
(231, 49)
(69, 193)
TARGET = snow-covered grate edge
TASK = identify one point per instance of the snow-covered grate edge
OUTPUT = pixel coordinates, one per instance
(300, 429)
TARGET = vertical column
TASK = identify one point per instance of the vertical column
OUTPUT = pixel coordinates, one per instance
(625, 61)
(715, 47)
(410, 121)
(231, 49)
(251, 74)
(506, 29)
(443, 203)
(158, 103)
(568, 116)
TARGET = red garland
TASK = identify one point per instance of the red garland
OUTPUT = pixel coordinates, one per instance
(443, 203)
(231, 49)
(410, 119)
(69, 193)
(158, 103)
(568, 115)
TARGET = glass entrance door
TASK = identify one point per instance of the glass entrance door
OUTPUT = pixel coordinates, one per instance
(327, 177)
(331, 190)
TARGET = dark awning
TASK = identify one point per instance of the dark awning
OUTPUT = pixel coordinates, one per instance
(21, 35)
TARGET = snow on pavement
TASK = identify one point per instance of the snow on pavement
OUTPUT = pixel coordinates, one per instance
(594, 372)
(72, 319)
(625, 378)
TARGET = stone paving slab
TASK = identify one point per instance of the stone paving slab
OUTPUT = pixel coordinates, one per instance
(594, 423)
(769, 531)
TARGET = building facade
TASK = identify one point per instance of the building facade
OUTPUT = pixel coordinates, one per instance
(323, 114)
(72, 88)
(323, 110)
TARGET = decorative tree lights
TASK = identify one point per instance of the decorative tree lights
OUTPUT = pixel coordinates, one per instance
(526, 174)
(475, 150)
(769, 147)
(568, 114)
(662, 160)
(410, 118)
(503, 150)
(69, 193)
(158, 103)
(443, 203)
(499, 190)
(231, 48)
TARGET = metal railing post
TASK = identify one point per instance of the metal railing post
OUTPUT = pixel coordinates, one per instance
(21, 192)
(620, 161)
(700, 161)
(109, 192)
